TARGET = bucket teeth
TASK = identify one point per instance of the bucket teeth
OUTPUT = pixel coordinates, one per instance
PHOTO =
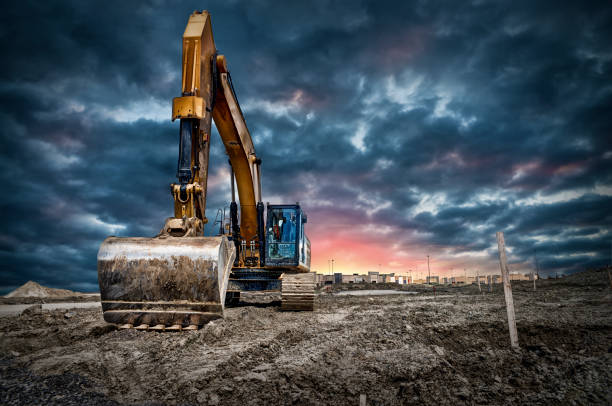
(158, 327)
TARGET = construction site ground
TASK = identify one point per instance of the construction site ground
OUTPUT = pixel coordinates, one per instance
(394, 349)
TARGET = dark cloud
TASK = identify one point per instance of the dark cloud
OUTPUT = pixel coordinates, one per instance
(435, 123)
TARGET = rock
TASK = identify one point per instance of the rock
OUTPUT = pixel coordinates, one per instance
(463, 393)
(34, 309)
(214, 329)
(214, 399)
(202, 398)
(463, 379)
(69, 315)
(101, 328)
(438, 350)
(262, 367)
(252, 376)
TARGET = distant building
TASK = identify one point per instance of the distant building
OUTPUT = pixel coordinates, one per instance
(348, 279)
(464, 280)
(338, 277)
(493, 279)
(433, 279)
(389, 278)
(373, 277)
(520, 277)
(323, 279)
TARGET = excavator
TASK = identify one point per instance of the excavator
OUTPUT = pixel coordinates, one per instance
(181, 279)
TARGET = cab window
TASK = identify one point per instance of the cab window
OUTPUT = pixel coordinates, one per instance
(281, 233)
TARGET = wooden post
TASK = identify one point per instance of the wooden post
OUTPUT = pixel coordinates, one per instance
(533, 277)
(501, 246)
(478, 280)
(362, 400)
(490, 280)
(610, 277)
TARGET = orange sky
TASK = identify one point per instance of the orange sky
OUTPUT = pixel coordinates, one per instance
(359, 253)
(364, 247)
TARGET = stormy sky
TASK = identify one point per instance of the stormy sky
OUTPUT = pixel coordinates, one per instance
(405, 129)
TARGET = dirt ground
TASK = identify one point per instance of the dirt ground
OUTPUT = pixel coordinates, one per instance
(395, 349)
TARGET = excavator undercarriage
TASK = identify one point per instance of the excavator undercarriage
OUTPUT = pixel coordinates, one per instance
(181, 279)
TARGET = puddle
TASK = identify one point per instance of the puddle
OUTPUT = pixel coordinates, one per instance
(375, 292)
(15, 310)
(81, 305)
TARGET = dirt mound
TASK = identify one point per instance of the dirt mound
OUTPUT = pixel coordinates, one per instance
(591, 277)
(33, 289)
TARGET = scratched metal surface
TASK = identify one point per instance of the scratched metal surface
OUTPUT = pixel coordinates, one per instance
(168, 280)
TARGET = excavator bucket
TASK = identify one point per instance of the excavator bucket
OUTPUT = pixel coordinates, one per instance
(165, 281)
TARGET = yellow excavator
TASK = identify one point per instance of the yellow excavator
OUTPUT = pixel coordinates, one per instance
(181, 279)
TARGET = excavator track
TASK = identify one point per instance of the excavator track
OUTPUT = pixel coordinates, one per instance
(158, 327)
(298, 292)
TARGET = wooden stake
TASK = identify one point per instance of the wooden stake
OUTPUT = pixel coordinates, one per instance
(533, 277)
(501, 246)
(362, 400)
(478, 279)
(610, 277)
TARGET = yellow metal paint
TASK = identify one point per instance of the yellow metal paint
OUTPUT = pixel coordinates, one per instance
(197, 95)
(188, 107)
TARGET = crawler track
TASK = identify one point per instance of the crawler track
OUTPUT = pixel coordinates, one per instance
(158, 327)
(297, 292)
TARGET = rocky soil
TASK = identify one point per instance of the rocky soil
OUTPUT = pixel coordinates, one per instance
(397, 349)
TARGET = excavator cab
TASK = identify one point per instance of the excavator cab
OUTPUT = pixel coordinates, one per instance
(287, 245)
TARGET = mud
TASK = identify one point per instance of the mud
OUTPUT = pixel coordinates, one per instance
(395, 349)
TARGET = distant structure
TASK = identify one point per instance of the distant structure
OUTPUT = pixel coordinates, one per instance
(407, 279)
(433, 280)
